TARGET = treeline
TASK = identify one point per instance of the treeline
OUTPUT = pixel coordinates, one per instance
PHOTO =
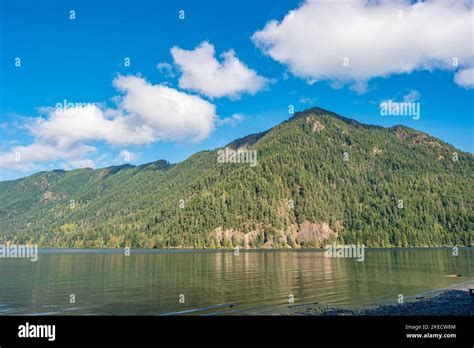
(371, 185)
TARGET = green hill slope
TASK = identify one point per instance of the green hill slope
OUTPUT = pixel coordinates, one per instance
(319, 177)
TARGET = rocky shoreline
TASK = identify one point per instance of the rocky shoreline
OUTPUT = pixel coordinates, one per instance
(455, 301)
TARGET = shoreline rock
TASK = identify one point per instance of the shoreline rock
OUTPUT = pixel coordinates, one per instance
(454, 301)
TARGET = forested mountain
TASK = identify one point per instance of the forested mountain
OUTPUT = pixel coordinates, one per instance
(319, 177)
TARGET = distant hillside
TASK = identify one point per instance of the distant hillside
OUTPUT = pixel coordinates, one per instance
(319, 177)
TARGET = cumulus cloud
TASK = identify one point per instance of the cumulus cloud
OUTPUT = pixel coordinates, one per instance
(127, 156)
(166, 69)
(66, 126)
(27, 158)
(232, 120)
(356, 40)
(465, 78)
(144, 113)
(79, 163)
(203, 73)
(163, 112)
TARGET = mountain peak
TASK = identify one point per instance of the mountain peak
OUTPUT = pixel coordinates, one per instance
(316, 111)
(320, 112)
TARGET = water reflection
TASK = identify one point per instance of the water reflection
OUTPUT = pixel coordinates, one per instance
(151, 283)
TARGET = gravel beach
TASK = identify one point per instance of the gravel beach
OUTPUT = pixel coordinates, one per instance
(455, 300)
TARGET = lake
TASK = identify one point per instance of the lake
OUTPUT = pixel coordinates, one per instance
(152, 282)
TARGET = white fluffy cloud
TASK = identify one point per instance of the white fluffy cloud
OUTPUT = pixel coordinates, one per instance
(166, 69)
(232, 120)
(203, 73)
(465, 78)
(27, 158)
(67, 126)
(145, 113)
(79, 163)
(127, 156)
(372, 38)
(166, 112)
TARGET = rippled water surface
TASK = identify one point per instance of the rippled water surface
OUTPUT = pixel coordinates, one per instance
(150, 282)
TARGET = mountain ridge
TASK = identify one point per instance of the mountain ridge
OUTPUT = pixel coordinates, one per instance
(250, 139)
(343, 178)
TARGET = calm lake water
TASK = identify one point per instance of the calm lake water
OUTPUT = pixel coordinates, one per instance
(150, 282)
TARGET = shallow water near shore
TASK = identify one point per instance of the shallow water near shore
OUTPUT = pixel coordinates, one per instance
(152, 282)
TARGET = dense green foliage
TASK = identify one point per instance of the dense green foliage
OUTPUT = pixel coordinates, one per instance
(372, 185)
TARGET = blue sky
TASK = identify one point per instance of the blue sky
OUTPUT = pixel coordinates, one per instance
(81, 60)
